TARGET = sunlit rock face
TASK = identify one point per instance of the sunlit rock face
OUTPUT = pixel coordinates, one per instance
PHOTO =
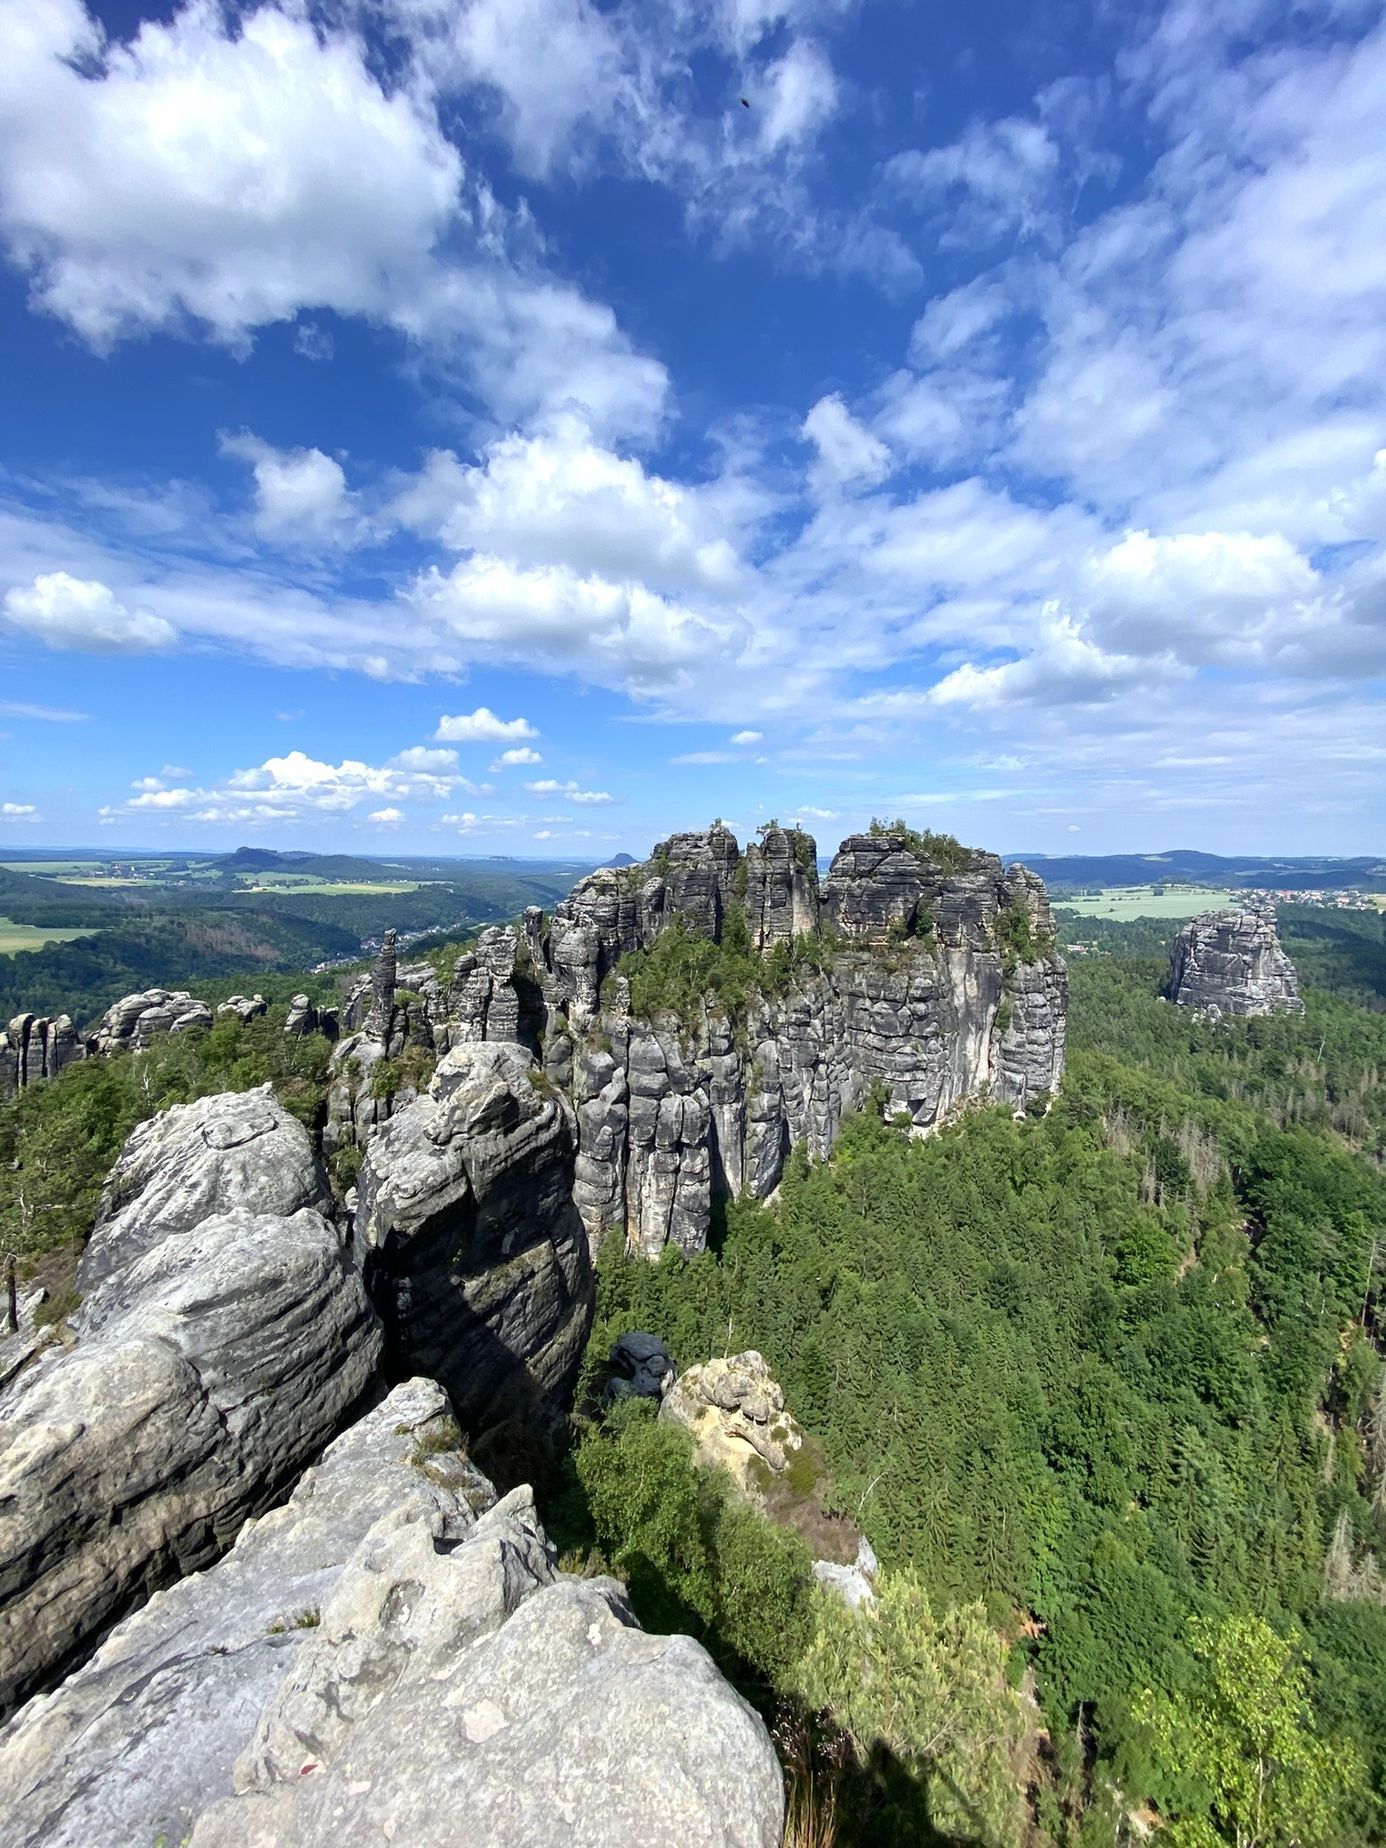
(942, 985)
(1231, 962)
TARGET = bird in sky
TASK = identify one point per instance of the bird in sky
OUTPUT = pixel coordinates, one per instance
(744, 103)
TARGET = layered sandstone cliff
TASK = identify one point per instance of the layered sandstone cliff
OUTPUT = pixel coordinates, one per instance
(1231, 962)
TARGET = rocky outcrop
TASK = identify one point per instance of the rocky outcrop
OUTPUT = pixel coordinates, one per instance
(245, 1008)
(137, 1019)
(641, 1367)
(305, 1016)
(391, 1655)
(735, 1410)
(223, 1334)
(1231, 962)
(34, 1048)
(934, 976)
(466, 1224)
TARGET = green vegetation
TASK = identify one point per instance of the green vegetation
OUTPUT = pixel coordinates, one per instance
(944, 851)
(1123, 903)
(682, 969)
(1103, 1389)
(16, 938)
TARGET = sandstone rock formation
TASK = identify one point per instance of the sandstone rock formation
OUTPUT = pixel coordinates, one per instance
(736, 1413)
(137, 1019)
(223, 1335)
(245, 1007)
(1231, 962)
(391, 1655)
(34, 1048)
(939, 982)
(641, 1367)
(466, 1225)
(305, 1016)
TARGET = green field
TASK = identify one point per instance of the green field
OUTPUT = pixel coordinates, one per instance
(1126, 902)
(33, 937)
(293, 882)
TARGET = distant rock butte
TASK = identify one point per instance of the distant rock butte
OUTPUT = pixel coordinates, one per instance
(1231, 962)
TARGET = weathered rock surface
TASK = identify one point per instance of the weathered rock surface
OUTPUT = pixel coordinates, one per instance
(938, 982)
(305, 1016)
(216, 1350)
(391, 1656)
(1231, 962)
(466, 1224)
(137, 1019)
(137, 1742)
(245, 1007)
(735, 1410)
(34, 1048)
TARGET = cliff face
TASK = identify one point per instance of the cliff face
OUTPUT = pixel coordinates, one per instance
(1231, 962)
(937, 982)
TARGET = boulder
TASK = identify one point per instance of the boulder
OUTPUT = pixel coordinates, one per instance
(466, 1225)
(736, 1413)
(137, 1019)
(245, 1007)
(217, 1349)
(1231, 962)
(641, 1367)
(135, 1744)
(392, 1656)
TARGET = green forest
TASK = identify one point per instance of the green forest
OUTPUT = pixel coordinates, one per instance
(1104, 1391)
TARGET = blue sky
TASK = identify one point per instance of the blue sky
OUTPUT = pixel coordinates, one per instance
(460, 428)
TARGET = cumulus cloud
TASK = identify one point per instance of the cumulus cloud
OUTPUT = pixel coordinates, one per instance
(559, 622)
(301, 495)
(386, 817)
(482, 727)
(799, 95)
(69, 612)
(1064, 667)
(558, 497)
(522, 754)
(747, 737)
(18, 811)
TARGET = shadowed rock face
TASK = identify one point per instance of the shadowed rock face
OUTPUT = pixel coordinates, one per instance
(223, 1336)
(476, 1253)
(1231, 962)
(34, 1048)
(390, 1655)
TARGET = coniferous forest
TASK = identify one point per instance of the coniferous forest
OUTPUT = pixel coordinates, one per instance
(1104, 1390)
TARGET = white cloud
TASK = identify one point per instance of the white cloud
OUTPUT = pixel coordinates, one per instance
(386, 817)
(300, 494)
(69, 612)
(847, 451)
(520, 755)
(570, 792)
(996, 178)
(1065, 667)
(819, 814)
(557, 497)
(233, 179)
(554, 621)
(952, 323)
(482, 727)
(166, 799)
(18, 811)
(747, 737)
(798, 95)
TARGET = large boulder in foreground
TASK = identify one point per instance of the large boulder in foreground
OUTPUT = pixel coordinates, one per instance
(224, 1335)
(1231, 962)
(391, 1656)
(475, 1250)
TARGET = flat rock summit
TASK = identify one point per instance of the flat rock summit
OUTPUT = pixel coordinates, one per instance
(1231, 962)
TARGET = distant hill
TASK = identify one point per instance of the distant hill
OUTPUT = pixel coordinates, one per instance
(308, 865)
(1186, 866)
(623, 859)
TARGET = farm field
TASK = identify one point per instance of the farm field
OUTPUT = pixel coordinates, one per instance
(290, 882)
(1122, 903)
(15, 937)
